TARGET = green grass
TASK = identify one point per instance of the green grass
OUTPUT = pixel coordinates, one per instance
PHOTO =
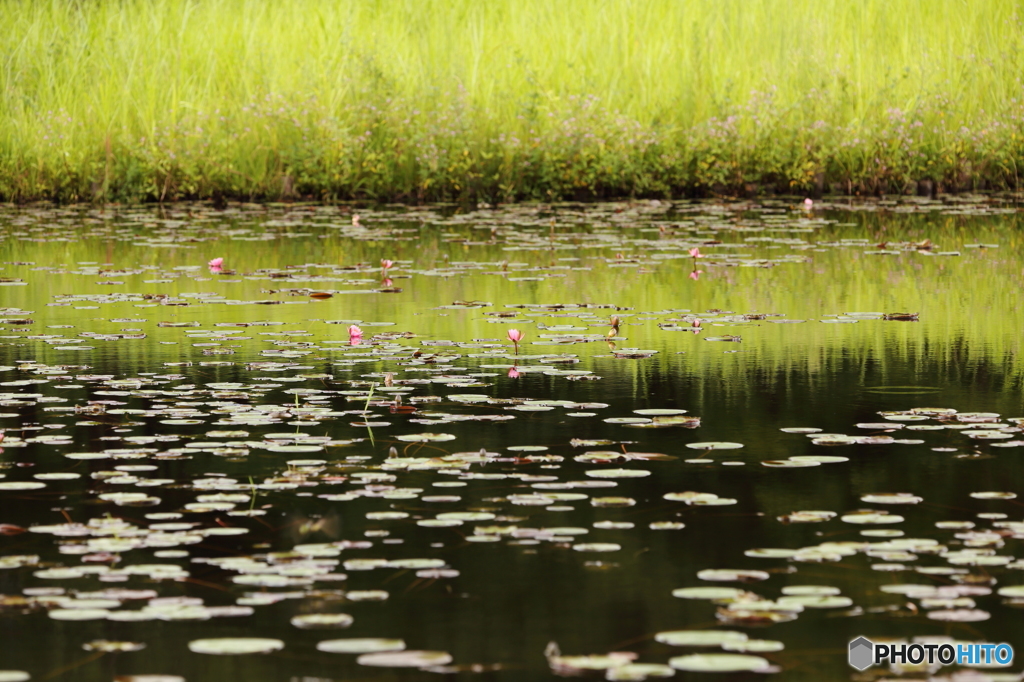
(419, 100)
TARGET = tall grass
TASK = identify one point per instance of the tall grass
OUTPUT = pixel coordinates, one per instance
(505, 99)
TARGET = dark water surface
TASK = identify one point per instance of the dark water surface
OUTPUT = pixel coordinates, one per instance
(259, 403)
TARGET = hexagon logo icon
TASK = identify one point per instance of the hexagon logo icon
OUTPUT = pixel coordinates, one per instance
(862, 653)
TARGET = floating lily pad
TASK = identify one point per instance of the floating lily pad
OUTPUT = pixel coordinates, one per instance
(235, 645)
(689, 497)
(719, 663)
(317, 621)
(731, 575)
(666, 525)
(871, 518)
(714, 446)
(618, 473)
(770, 553)
(614, 525)
(891, 498)
(959, 615)
(712, 593)
(78, 614)
(638, 671)
(21, 485)
(597, 547)
(363, 645)
(699, 637)
(756, 646)
(820, 459)
(810, 601)
(426, 437)
(1014, 591)
(789, 463)
(405, 659)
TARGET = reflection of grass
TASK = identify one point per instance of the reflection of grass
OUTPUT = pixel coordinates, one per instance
(503, 99)
(969, 328)
(366, 411)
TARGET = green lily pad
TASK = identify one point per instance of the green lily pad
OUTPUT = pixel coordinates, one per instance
(714, 446)
(994, 496)
(235, 645)
(719, 663)
(405, 659)
(21, 485)
(757, 646)
(699, 637)
(597, 547)
(731, 575)
(638, 671)
(871, 518)
(361, 645)
(712, 593)
(789, 463)
(618, 473)
(425, 437)
(14, 676)
(891, 498)
(811, 601)
(317, 621)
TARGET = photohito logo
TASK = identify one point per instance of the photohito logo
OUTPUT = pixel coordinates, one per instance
(864, 653)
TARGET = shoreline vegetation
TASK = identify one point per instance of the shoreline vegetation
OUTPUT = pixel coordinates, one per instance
(506, 100)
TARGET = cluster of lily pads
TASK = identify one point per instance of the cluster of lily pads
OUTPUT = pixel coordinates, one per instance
(392, 428)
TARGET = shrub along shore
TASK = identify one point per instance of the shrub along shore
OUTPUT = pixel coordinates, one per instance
(504, 100)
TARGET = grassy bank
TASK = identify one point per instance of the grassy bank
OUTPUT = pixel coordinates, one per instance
(420, 100)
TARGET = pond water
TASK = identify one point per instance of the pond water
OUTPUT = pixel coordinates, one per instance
(196, 453)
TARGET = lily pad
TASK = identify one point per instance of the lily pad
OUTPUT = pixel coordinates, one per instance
(714, 446)
(410, 658)
(618, 473)
(712, 593)
(360, 645)
(699, 637)
(719, 663)
(425, 437)
(316, 621)
(235, 645)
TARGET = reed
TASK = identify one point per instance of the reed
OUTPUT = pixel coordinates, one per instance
(420, 100)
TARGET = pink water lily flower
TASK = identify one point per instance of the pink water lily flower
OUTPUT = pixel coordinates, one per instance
(696, 274)
(216, 263)
(355, 220)
(513, 373)
(387, 264)
(355, 335)
(515, 336)
(695, 253)
(808, 204)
